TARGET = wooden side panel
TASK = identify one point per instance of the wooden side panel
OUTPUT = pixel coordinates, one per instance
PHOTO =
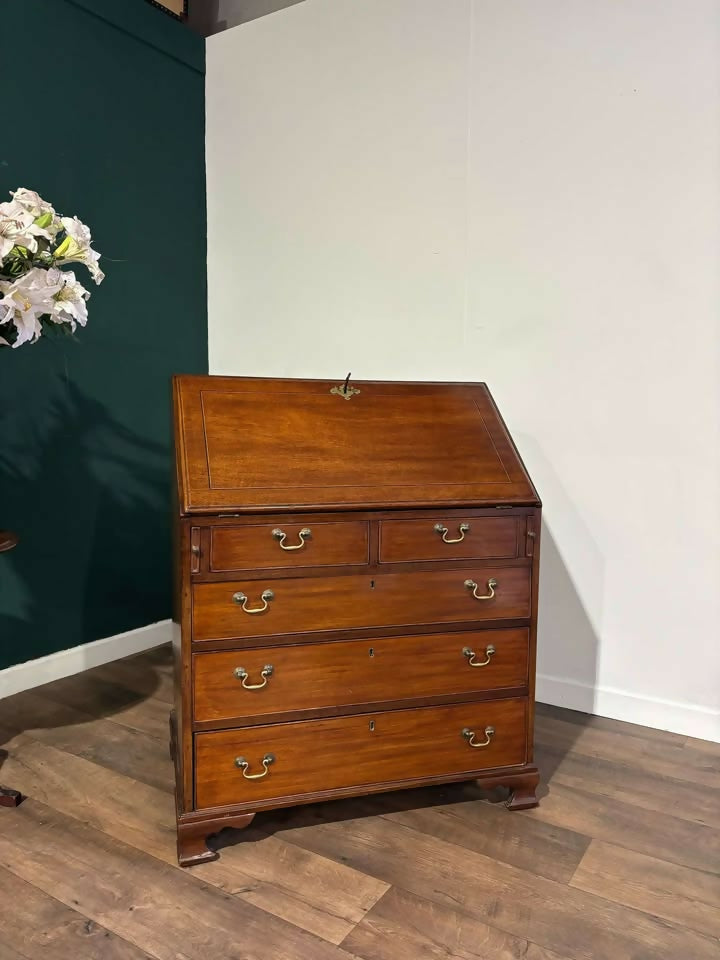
(316, 755)
(533, 541)
(181, 720)
(353, 602)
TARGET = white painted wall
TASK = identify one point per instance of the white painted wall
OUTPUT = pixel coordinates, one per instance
(526, 194)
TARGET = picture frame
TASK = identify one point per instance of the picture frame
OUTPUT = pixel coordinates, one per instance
(175, 8)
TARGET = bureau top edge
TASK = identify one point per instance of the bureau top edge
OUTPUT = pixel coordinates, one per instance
(360, 511)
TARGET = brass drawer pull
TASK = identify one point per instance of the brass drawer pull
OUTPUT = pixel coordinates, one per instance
(242, 674)
(462, 530)
(469, 735)
(470, 654)
(491, 584)
(266, 597)
(243, 764)
(304, 535)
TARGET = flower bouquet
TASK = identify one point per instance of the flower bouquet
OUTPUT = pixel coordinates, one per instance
(37, 296)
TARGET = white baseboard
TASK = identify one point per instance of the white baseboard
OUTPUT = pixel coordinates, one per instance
(684, 718)
(25, 676)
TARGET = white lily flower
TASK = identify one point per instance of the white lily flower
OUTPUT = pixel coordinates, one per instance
(32, 297)
(70, 302)
(18, 228)
(33, 291)
(32, 202)
(6, 314)
(42, 212)
(76, 248)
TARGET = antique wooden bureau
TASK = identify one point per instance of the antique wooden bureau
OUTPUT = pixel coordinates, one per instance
(356, 596)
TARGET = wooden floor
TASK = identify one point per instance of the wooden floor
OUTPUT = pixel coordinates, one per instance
(620, 862)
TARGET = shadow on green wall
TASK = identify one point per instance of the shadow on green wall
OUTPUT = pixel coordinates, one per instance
(82, 491)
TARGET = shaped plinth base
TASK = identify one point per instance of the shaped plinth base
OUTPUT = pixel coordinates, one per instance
(192, 838)
(10, 798)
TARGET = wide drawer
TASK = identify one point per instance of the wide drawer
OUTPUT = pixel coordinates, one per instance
(273, 545)
(255, 608)
(312, 756)
(440, 538)
(273, 680)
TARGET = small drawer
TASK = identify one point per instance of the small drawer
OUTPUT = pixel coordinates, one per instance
(471, 538)
(260, 608)
(312, 757)
(263, 681)
(282, 544)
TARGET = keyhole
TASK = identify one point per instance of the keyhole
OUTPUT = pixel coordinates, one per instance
(372, 726)
(372, 584)
(371, 652)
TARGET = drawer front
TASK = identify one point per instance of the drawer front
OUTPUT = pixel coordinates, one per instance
(317, 755)
(240, 609)
(281, 544)
(320, 675)
(474, 538)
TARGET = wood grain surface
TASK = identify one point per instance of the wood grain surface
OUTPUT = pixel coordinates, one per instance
(316, 755)
(354, 602)
(252, 445)
(485, 537)
(329, 675)
(256, 546)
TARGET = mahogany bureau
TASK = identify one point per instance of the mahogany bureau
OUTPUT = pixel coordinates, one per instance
(356, 596)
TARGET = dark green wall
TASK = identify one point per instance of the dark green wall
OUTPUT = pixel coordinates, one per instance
(103, 110)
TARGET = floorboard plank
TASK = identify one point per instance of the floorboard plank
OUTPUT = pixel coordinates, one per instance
(645, 831)
(463, 814)
(557, 917)
(101, 698)
(115, 804)
(402, 926)
(709, 747)
(11, 953)
(39, 927)
(631, 784)
(311, 891)
(675, 760)
(684, 896)
(133, 673)
(163, 910)
(121, 748)
(578, 718)
(620, 861)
